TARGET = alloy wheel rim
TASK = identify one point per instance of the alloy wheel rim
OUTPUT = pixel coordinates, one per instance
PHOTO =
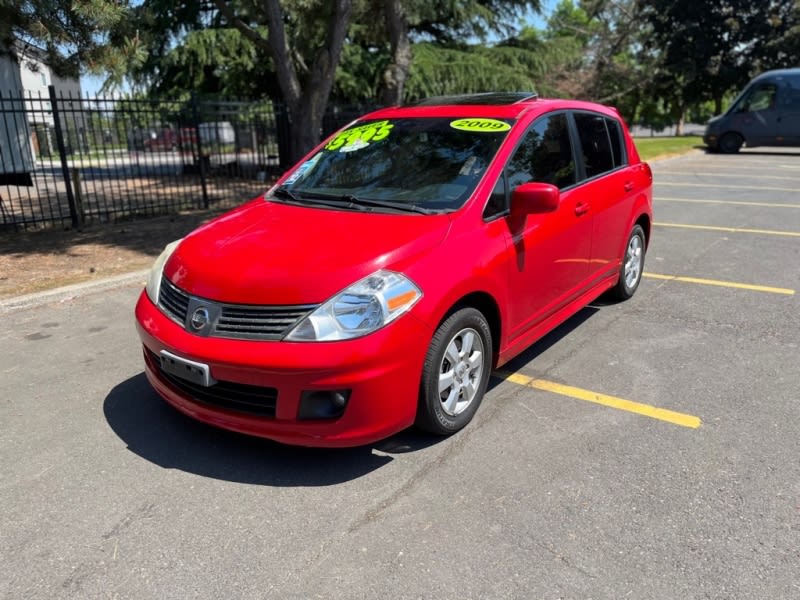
(461, 371)
(633, 261)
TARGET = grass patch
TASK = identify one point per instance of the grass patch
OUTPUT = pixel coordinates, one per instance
(659, 147)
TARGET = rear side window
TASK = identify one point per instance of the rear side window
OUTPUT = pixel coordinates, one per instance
(600, 143)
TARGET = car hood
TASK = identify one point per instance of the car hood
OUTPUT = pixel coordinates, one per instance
(272, 253)
(714, 121)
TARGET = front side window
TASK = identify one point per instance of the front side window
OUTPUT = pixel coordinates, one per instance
(545, 155)
(429, 163)
(760, 97)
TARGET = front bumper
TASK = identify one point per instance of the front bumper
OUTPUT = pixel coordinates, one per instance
(710, 139)
(382, 370)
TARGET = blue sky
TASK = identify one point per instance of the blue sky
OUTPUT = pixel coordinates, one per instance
(91, 85)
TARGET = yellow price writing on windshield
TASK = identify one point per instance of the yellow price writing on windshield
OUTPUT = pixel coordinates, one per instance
(361, 136)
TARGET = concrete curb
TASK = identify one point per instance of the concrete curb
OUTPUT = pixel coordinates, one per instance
(71, 291)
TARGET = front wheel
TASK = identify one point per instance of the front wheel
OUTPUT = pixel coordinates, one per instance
(630, 273)
(456, 373)
(730, 143)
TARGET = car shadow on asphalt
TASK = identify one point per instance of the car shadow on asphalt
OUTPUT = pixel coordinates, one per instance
(161, 435)
(552, 338)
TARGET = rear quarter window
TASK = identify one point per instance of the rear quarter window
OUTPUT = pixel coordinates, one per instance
(600, 142)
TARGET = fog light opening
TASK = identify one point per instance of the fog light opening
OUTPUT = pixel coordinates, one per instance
(323, 404)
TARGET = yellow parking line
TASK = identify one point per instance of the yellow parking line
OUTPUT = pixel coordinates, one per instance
(645, 410)
(732, 202)
(730, 229)
(726, 187)
(730, 284)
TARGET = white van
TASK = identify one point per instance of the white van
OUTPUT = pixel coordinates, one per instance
(217, 133)
(766, 113)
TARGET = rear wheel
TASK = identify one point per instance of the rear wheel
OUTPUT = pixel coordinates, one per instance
(630, 273)
(730, 143)
(456, 372)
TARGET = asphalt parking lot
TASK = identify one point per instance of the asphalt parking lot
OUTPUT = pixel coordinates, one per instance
(648, 449)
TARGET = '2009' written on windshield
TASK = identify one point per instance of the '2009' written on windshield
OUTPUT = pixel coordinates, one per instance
(359, 137)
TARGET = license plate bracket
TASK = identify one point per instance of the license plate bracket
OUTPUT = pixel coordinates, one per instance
(189, 370)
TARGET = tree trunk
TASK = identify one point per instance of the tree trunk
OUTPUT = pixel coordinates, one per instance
(396, 73)
(680, 115)
(305, 126)
(307, 104)
(717, 104)
(306, 101)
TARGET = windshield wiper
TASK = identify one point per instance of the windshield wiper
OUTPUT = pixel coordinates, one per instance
(286, 194)
(283, 193)
(402, 206)
(352, 201)
(349, 201)
(319, 199)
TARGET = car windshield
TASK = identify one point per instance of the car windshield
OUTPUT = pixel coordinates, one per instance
(424, 164)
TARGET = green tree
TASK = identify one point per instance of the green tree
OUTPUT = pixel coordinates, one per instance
(296, 51)
(565, 46)
(72, 33)
(447, 23)
(704, 49)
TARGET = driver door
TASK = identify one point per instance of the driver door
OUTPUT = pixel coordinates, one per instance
(549, 252)
(759, 120)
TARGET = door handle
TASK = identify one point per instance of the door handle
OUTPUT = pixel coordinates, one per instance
(581, 208)
(628, 186)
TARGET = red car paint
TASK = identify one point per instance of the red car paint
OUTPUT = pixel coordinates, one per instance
(527, 272)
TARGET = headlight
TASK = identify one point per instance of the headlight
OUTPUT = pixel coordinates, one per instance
(154, 280)
(364, 307)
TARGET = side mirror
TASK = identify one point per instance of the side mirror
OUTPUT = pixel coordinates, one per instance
(535, 198)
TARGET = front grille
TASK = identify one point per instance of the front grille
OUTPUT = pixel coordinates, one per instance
(238, 397)
(267, 323)
(173, 300)
(238, 321)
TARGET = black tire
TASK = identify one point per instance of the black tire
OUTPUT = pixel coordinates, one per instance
(730, 143)
(445, 416)
(630, 271)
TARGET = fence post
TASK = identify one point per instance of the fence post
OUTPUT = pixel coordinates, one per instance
(62, 151)
(76, 180)
(200, 158)
(283, 128)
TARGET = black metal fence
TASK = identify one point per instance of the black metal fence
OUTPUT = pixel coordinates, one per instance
(68, 161)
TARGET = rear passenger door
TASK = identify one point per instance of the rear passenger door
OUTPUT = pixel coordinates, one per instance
(607, 186)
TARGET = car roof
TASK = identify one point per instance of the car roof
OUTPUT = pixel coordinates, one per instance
(776, 73)
(498, 105)
(491, 98)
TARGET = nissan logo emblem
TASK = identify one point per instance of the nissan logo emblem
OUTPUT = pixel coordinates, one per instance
(200, 318)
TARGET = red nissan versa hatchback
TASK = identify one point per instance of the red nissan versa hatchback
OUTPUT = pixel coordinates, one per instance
(380, 281)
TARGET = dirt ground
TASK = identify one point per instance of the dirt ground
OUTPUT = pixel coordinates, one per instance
(40, 260)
